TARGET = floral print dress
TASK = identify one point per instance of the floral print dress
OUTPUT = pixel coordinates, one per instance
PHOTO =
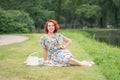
(56, 57)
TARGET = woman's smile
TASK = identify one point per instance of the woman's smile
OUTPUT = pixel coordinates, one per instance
(51, 27)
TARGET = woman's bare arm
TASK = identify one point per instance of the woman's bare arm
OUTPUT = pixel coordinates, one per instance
(45, 54)
(68, 42)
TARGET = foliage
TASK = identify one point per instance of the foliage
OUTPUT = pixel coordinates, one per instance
(89, 12)
(40, 16)
(15, 21)
(99, 13)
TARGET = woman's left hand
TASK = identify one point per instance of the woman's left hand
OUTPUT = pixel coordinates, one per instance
(61, 47)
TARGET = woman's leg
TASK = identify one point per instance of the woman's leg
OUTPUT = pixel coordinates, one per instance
(75, 62)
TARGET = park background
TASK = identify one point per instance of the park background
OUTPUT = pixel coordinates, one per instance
(93, 26)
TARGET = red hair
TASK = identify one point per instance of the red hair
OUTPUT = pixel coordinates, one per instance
(55, 24)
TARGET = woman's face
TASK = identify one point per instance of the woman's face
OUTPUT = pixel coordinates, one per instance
(51, 27)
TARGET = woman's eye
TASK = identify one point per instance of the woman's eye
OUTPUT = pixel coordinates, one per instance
(51, 26)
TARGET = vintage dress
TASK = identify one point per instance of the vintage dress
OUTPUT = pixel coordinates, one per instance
(56, 57)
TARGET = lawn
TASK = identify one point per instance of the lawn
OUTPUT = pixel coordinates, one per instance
(12, 59)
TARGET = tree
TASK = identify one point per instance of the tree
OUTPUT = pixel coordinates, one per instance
(110, 10)
(40, 16)
(88, 12)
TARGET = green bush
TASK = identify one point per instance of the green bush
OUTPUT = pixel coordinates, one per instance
(12, 21)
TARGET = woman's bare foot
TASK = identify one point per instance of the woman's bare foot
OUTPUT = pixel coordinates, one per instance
(87, 63)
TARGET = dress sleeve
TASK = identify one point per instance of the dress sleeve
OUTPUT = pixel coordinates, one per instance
(61, 38)
(42, 41)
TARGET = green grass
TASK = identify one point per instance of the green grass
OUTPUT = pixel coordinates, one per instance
(106, 57)
(12, 59)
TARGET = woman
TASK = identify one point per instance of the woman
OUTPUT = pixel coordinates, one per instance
(56, 54)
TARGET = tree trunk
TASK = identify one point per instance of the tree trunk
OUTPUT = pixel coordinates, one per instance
(59, 10)
(116, 17)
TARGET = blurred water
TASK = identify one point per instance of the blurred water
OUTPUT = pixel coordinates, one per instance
(111, 38)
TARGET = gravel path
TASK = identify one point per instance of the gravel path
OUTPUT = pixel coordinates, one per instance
(10, 39)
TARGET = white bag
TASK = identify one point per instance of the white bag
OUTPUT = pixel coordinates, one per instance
(33, 60)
